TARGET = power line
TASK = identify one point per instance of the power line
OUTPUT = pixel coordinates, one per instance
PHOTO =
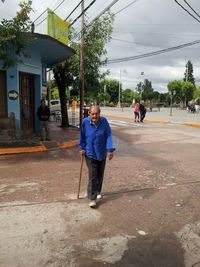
(73, 10)
(126, 7)
(158, 52)
(46, 10)
(192, 8)
(187, 11)
(82, 12)
(98, 16)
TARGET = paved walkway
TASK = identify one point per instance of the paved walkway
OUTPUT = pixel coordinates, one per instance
(60, 138)
(68, 137)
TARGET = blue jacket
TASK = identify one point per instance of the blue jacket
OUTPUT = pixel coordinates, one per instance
(96, 140)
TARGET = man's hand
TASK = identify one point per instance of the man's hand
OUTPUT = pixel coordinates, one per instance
(110, 155)
(82, 152)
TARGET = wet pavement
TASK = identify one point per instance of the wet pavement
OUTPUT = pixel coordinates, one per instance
(148, 217)
(68, 137)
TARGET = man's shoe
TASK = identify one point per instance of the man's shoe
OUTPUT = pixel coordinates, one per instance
(99, 196)
(92, 204)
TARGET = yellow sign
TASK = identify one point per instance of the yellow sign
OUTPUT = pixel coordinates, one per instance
(57, 28)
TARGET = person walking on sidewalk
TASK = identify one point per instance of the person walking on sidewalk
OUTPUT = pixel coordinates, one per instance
(95, 143)
(142, 111)
(43, 114)
(136, 112)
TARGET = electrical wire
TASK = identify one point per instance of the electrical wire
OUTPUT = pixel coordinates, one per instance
(98, 16)
(73, 10)
(187, 11)
(192, 8)
(82, 12)
(158, 52)
(53, 11)
(126, 7)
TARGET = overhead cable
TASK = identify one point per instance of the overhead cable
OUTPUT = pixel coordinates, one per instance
(46, 10)
(126, 7)
(82, 12)
(187, 11)
(73, 10)
(192, 8)
(98, 16)
(158, 52)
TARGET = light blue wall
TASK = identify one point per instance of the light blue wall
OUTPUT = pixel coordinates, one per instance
(32, 66)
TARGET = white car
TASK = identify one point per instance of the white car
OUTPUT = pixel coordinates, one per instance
(54, 105)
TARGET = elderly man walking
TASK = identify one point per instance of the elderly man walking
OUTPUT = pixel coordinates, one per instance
(95, 143)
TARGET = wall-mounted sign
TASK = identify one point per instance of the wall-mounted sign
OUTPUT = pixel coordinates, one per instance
(57, 28)
(12, 95)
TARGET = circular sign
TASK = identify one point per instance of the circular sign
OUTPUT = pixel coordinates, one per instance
(12, 95)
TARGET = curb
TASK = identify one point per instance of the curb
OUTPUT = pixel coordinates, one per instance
(131, 118)
(74, 143)
(192, 124)
(42, 148)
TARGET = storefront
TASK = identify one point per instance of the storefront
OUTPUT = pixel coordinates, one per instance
(21, 85)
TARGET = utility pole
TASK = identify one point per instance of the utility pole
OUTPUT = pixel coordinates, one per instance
(119, 102)
(186, 78)
(82, 63)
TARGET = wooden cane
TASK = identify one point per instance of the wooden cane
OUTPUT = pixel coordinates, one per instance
(79, 184)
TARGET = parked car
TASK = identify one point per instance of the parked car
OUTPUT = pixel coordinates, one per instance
(54, 106)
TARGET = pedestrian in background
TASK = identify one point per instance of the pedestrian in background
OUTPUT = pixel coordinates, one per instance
(136, 112)
(43, 114)
(95, 143)
(142, 111)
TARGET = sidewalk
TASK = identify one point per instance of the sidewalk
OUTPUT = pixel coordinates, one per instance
(60, 138)
(68, 137)
(164, 115)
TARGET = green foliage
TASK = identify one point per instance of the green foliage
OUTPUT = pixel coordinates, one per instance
(188, 74)
(188, 89)
(54, 93)
(197, 92)
(13, 40)
(145, 89)
(67, 74)
(181, 91)
(95, 38)
(112, 89)
(175, 88)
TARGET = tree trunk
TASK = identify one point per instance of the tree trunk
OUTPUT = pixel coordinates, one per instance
(60, 80)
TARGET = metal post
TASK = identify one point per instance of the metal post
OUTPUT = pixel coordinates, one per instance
(82, 63)
(119, 103)
(171, 103)
(104, 95)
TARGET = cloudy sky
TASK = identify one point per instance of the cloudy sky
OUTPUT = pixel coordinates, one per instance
(140, 27)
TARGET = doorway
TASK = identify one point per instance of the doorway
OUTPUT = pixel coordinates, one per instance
(3, 96)
(27, 107)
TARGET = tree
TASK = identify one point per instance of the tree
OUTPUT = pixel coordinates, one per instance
(188, 89)
(181, 91)
(13, 37)
(197, 92)
(112, 89)
(67, 74)
(188, 74)
(145, 89)
(127, 96)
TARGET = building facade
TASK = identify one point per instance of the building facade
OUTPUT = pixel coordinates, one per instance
(21, 85)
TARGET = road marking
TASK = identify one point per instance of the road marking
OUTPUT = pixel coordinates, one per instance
(115, 123)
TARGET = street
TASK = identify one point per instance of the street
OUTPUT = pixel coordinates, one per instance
(149, 216)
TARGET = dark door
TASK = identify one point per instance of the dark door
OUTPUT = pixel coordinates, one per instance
(27, 103)
(3, 96)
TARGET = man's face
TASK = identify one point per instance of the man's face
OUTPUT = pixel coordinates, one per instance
(43, 104)
(94, 115)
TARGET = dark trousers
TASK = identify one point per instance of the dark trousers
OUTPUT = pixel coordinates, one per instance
(142, 115)
(96, 172)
